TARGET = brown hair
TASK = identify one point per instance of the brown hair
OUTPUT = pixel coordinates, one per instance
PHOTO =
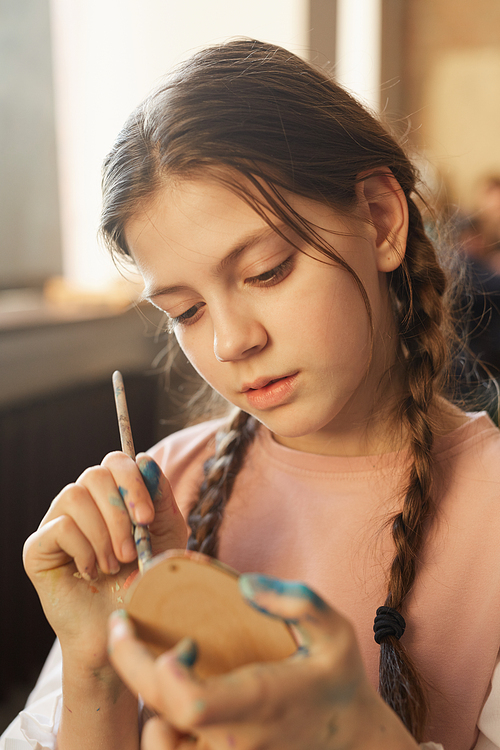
(253, 109)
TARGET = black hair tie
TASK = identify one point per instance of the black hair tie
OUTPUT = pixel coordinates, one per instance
(388, 622)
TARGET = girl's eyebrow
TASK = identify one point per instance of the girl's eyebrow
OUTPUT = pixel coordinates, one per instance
(242, 246)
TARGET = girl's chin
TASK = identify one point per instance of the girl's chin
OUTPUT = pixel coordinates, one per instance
(284, 430)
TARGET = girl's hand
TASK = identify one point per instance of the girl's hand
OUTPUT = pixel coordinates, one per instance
(83, 551)
(318, 699)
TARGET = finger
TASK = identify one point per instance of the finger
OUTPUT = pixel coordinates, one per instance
(131, 659)
(131, 487)
(169, 529)
(165, 684)
(55, 544)
(101, 485)
(158, 735)
(309, 615)
(77, 502)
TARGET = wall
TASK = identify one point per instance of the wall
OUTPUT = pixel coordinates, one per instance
(53, 354)
(29, 216)
(108, 56)
(452, 88)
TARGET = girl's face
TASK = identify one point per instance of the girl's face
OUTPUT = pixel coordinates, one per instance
(280, 333)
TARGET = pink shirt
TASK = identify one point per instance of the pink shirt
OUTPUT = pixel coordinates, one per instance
(320, 519)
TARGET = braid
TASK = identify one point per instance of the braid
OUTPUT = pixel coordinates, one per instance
(220, 470)
(420, 313)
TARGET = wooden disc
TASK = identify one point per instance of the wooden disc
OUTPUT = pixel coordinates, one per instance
(183, 593)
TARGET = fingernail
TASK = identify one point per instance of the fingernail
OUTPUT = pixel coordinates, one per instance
(186, 652)
(90, 575)
(128, 549)
(118, 615)
(113, 565)
(142, 515)
(119, 625)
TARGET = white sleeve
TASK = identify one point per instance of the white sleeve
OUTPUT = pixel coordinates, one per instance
(489, 721)
(36, 727)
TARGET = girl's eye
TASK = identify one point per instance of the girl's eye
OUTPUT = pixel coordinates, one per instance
(275, 275)
(268, 278)
(187, 318)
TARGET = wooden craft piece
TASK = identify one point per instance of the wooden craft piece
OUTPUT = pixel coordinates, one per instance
(183, 593)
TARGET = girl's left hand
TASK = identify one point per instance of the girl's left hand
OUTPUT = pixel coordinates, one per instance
(317, 699)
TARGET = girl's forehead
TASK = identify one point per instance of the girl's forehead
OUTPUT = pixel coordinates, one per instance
(198, 221)
(200, 195)
(203, 210)
(192, 207)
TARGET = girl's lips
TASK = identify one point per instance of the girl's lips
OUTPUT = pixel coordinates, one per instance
(265, 393)
(262, 382)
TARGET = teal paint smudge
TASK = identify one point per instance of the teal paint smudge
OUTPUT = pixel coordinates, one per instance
(266, 612)
(251, 584)
(199, 705)
(116, 500)
(151, 473)
(188, 653)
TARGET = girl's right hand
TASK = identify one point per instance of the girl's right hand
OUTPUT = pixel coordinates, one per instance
(83, 551)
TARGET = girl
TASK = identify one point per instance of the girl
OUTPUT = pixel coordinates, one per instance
(274, 221)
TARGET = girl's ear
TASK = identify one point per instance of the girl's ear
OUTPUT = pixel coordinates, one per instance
(385, 201)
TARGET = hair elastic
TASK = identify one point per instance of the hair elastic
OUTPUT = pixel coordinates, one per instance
(388, 622)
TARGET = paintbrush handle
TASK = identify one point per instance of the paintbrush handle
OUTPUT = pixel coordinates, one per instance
(122, 414)
(141, 533)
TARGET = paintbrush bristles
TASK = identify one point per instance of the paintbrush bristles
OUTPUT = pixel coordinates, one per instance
(122, 414)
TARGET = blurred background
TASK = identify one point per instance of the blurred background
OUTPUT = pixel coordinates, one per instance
(70, 73)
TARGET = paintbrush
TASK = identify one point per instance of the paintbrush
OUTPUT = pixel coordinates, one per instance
(141, 533)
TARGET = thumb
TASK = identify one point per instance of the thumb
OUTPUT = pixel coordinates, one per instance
(310, 617)
(169, 529)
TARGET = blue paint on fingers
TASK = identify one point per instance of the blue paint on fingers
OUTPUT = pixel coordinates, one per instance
(117, 500)
(252, 584)
(187, 652)
(151, 474)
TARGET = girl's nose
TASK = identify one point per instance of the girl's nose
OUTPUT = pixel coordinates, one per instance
(237, 334)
